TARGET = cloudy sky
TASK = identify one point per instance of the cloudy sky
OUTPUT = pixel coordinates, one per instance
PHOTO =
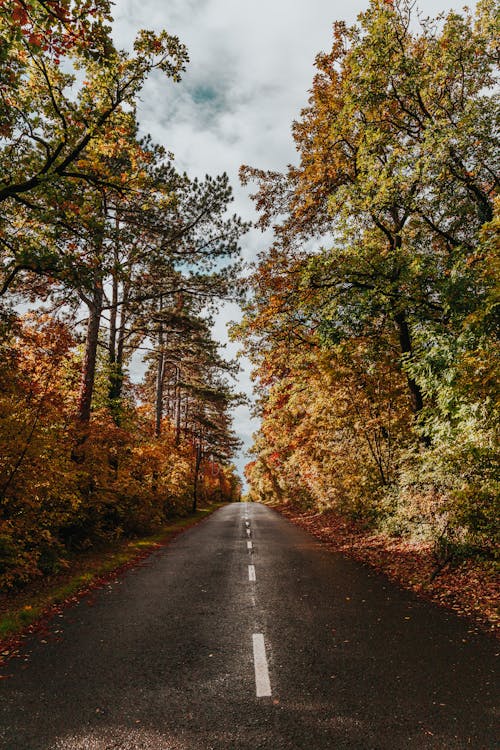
(251, 65)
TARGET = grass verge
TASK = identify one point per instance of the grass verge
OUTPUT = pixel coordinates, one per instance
(25, 611)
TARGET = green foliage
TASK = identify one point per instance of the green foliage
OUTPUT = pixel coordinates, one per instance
(93, 216)
(377, 353)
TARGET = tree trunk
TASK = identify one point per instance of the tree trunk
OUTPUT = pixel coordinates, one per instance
(117, 343)
(196, 472)
(160, 372)
(120, 345)
(159, 393)
(114, 390)
(113, 314)
(178, 406)
(90, 356)
(84, 403)
(406, 348)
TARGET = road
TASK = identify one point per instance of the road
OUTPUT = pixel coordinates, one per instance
(242, 633)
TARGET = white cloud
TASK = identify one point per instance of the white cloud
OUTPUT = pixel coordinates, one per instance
(251, 67)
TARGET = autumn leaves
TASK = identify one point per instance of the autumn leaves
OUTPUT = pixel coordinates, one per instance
(121, 258)
(371, 323)
(376, 297)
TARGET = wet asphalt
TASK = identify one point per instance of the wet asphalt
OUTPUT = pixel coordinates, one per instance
(162, 658)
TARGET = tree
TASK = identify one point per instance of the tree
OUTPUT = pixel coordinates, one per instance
(395, 151)
(186, 383)
(118, 253)
(179, 247)
(52, 126)
(380, 272)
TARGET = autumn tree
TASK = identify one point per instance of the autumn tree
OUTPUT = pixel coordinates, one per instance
(179, 247)
(187, 384)
(377, 268)
(382, 173)
(51, 126)
(38, 491)
(117, 253)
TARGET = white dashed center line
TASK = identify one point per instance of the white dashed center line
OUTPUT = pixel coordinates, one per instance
(262, 682)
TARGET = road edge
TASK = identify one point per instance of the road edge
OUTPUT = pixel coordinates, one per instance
(107, 564)
(462, 590)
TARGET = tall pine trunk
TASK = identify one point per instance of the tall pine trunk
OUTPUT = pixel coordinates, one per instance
(84, 403)
(178, 406)
(116, 346)
(90, 356)
(196, 474)
(160, 375)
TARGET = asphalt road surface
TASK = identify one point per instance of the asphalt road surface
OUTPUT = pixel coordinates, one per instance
(246, 633)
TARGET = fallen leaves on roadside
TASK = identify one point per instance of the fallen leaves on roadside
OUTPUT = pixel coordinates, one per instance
(470, 589)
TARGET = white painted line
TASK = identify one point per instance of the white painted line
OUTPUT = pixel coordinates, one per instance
(249, 545)
(247, 523)
(248, 532)
(251, 573)
(262, 683)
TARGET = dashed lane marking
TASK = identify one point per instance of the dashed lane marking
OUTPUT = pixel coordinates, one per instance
(249, 545)
(251, 573)
(262, 682)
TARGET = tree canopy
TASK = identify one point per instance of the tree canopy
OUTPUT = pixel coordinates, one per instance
(111, 261)
(373, 319)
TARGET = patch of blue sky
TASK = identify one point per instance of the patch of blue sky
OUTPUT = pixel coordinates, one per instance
(210, 103)
(206, 95)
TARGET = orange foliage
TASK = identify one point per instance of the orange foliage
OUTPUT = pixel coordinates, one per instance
(127, 481)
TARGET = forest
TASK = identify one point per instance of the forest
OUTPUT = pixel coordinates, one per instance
(370, 319)
(112, 263)
(373, 320)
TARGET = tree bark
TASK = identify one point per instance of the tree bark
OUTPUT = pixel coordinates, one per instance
(160, 373)
(114, 375)
(116, 340)
(90, 356)
(178, 406)
(120, 345)
(196, 472)
(406, 348)
(113, 316)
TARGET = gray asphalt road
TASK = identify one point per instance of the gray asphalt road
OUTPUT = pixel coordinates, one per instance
(172, 656)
